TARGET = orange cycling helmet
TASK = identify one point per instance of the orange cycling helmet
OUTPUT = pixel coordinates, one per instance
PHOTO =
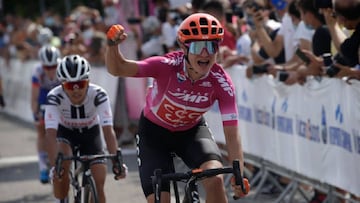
(200, 27)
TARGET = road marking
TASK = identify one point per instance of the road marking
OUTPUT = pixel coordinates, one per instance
(10, 161)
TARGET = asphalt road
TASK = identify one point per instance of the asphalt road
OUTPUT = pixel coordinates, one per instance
(19, 170)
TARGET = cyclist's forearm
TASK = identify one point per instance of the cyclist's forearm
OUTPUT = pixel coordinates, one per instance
(110, 139)
(234, 145)
(51, 145)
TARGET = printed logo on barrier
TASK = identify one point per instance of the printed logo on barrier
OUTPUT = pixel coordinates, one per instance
(338, 136)
(284, 105)
(324, 134)
(244, 96)
(339, 114)
(273, 105)
(177, 115)
(245, 113)
(356, 138)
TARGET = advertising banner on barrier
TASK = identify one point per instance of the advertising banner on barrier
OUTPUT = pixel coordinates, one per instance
(311, 129)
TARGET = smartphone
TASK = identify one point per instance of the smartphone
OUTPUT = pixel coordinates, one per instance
(282, 75)
(259, 69)
(302, 56)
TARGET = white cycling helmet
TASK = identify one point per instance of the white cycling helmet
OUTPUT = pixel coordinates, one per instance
(73, 68)
(49, 55)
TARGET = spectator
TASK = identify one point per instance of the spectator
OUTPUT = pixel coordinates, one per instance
(154, 45)
(4, 43)
(168, 29)
(96, 49)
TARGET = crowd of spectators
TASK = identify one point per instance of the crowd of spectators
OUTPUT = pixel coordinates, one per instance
(290, 40)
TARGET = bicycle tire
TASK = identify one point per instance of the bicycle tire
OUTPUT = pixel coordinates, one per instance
(90, 192)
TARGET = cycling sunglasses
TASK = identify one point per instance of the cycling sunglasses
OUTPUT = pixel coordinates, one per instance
(198, 46)
(50, 67)
(75, 85)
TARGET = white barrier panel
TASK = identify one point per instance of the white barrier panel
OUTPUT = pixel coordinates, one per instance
(17, 87)
(100, 76)
(312, 129)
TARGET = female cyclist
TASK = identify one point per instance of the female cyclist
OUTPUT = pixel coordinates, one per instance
(43, 80)
(76, 109)
(186, 85)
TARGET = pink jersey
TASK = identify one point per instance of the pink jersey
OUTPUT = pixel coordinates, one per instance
(177, 103)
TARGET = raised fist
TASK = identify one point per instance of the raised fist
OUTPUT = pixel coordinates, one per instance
(115, 35)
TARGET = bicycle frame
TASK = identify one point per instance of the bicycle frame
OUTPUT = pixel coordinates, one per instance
(81, 191)
(191, 178)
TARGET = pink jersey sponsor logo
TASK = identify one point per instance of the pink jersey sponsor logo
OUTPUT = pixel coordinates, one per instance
(195, 98)
(223, 83)
(175, 115)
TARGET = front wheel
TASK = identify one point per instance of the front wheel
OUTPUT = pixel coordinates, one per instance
(90, 193)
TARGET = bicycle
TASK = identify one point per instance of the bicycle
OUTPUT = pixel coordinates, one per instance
(84, 191)
(190, 178)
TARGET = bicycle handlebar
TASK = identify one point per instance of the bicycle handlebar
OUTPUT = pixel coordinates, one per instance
(87, 158)
(199, 174)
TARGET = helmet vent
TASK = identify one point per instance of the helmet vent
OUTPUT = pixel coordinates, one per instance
(195, 31)
(204, 30)
(203, 21)
(185, 32)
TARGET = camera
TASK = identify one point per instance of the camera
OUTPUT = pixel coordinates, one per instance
(330, 69)
(323, 4)
(259, 69)
(282, 75)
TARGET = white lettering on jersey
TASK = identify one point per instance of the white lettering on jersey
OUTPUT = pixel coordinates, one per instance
(223, 83)
(173, 61)
(190, 97)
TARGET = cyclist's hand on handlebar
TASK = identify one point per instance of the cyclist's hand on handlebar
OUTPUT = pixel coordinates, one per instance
(237, 188)
(119, 172)
(115, 35)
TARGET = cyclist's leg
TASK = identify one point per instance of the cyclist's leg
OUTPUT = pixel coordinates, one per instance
(98, 172)
(198, 148)
(152, 154)
(63, 142)
(61, 186)
(91, 144)
(214, 186)
(42, 154)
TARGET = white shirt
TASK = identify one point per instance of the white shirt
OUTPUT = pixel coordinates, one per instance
(93, 111)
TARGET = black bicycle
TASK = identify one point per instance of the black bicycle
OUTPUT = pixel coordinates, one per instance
(84, 189)
(190, 178)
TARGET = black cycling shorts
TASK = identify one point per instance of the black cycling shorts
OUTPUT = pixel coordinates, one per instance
(87, 140)
(156, 144)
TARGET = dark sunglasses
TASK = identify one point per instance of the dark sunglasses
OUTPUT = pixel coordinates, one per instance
(198, 46)
(75, 85)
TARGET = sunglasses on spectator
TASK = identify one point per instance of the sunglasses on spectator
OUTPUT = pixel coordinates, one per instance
(75, 85)
(198, 46)
(50, 67)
